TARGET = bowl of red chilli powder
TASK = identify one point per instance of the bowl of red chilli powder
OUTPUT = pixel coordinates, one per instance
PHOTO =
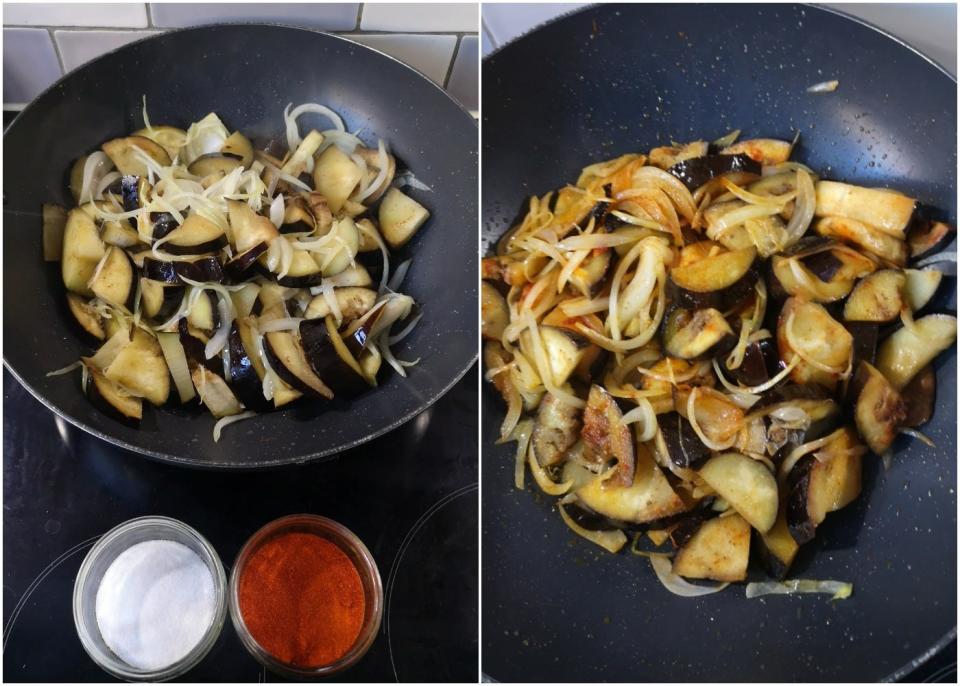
(306, 596)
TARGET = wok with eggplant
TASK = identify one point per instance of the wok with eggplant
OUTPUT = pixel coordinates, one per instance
(699, 346)
(202, 268)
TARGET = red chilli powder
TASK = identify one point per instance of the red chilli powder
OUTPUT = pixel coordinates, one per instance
(302, 599)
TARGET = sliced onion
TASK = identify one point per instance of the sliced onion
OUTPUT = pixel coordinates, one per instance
(330, 297)
(803, 210)
(276, 211)
(695, 425)
(792, 342)
(176, 360)
(393, 340)
(578, 307)
(838, 589)
(521, 434)
(759, 388)
(676, 584)
(66, 370)
(218, 341)
(611, 541)
(593, 241)
(224, 422)
(96, 165)
(106, 182)
(546, 484)
(938, 257)
(791, 460)
(407, 178)
(109, 350)
(381, 176)
(290, 120)
(913, 433)
(824, 87)
(399, 275)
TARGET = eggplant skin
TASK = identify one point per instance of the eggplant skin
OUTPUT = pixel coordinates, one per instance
(590, 520)
(683, 446)
(699, 170)
(326, 362)
(772, 565)
(689, 525)
(865, 337)
(244, 381)
(801, 526)
(113, 401)
(760, 363)
(919, 396)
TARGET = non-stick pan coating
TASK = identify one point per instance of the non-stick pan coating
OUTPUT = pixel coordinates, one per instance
(617, 79)
(247, 74)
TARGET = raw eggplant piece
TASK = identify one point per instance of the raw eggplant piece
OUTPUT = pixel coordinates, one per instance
(924, 236)
(745, 483)
(880, 208)
(816, 488)
(237, 269)
(682, 444)
(244, 378)
(714, 273)
(113, 282)
(126, 154)
(879, 411)
(606, 436)
(141, 369)
(197, 235)
(330, 358)
(699, 170)
(86, 316)
(689, 335)
(113, 400)
(648, 497)
(556, 429)
(777, 549)
(82, 251)
(719, 550)
(905, 352)
(919, 396)
(878, 297)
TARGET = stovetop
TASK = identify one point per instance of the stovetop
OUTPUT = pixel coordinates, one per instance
(411, 496)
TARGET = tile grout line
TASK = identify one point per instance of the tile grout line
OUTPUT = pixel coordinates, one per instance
(453, 61)
(149, 8)
(56, 51)
(359, 16)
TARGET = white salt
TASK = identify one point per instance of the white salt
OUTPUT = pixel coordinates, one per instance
(154, 604)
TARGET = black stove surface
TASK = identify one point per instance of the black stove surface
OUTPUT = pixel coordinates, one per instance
(411, 496)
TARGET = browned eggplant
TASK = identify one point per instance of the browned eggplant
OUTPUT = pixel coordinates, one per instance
(719, 550)
(556, 429)
(688, 335)
(924, 236)
(879, 411)
(919, 396)
(777, 548)
(697, 171)
(682, 444)
(606, 435)
(760, 363)
(113, 400)
(865, 337)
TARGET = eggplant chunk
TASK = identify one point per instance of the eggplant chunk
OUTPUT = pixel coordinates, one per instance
(335, 176)
(717, 416)
(688, 336)
(196, 235)
(881, 208)
(329, 357)
(352, 302)
(716, 272)
(556, 429)
(666, 156)
(127, 154)
(213, 165)
(588, 278)
(86, 316)
(879, 411)
(747, 484)
(924, 236)
(920, 286)
(919, 397)
(681, 443)
(493, 312)
(819, 337)
(565, 350)
(817, 487)
(905, 352)
(237, 145)
(113, 282)
(400, 217)
(647, 498)
(247, 228)
(697, 171)
(766, 151)
(141, 369)
(719, 550)
(113, 399)
(870, 239)
(82, 251)
(777, 549)
(878, 297)
(607, 436)
(238, 267)
(288, 358)
(214, 392)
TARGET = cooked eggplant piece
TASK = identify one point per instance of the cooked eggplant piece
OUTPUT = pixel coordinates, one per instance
(54, 225)
(368, 232)
(296, 165)
(879, 411)
(699, 170)
(745, 483)
(355, 276)
(244, 298)
(777, 549)
(170, 137)
(823, 265)
(82, 252)
(288, 360)
(114, 400)
(908, 350)
(607, 436)
(335, 176)
(765, 151)
(681, 442)
(303, 273)
(245, 378)
(920, 287)
(205, 315)
(353, 303)
(152, 297)
(691, 300)
(119, 233)
(161, 224)
(134, 192)
(493, 310)
(719, 550)
(816, 488)
(76, 177)
(112, 281)
(140, 368)
(247, 228)
(919, 397)
(211, 165)
(820, 274)
(923, 236)
(330, 358)
(556, 429)
(714, 273)
(666, 156)
(881, 208)
(860, 234)
(372, 159)
(348, 238)
(564, 349)
(689, 335)
(819, 337)
(86, 316)
(127, 154)
(878, 297)
(205, 269)
(400, 217)
(239, 147)
(760, 363)
(681, 533)
(647, 497)
(238, 268)
(733, 237)
(589, 276)
(197, 235)
(865, 336)
(214, 393)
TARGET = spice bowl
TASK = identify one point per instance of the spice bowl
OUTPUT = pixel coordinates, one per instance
(94, 569)
(258, 555)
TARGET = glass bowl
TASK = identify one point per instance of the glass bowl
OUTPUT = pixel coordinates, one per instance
(95, 564)
(366, 566)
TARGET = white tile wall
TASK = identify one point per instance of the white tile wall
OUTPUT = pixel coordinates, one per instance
(131, 15)
(419, 16)
(424, 35)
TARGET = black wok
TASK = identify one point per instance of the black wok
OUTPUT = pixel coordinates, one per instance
(247, 74)
(616, 79)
